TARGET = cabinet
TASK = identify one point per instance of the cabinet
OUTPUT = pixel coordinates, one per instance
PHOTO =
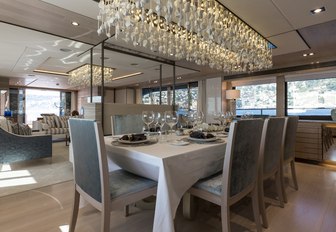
(309, 140)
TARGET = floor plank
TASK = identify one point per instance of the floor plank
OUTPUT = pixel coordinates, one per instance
(312, 209)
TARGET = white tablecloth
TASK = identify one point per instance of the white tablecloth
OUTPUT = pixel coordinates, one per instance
(176, 168)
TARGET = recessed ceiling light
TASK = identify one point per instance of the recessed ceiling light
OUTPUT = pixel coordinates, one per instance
(65, 50)
(171, 54)
(305, 54)
(74, 23)
(311, 54)
(179, 78)
(318, 10)
(155, 82)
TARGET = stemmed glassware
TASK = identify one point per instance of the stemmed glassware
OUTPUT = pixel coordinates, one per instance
(148, 118)
(198, 117)
(171, 119)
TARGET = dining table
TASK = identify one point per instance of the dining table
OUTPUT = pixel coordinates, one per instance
(175, 166)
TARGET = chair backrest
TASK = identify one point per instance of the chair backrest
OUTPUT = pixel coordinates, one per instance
(242, 157)
(90, 162)
(290, 137)
(126, 124)
(272, 145)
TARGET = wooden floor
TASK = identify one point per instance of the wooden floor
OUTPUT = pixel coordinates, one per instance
(311, 209)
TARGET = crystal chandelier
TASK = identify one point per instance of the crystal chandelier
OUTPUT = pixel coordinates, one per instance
(81, 75)
(201, 31)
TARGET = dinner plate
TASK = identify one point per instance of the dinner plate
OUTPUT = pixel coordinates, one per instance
(222, 135)
(203, 140)
(179, 143)
(132, 142)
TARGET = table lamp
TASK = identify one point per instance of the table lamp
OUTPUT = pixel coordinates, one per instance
(232, 95)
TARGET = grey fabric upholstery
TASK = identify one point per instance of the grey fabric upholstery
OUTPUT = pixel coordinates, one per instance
(212, 184)
(126, 124)
(15, 148)
(273, 143)
(246, 148)
(124, 183)
(87, 165)
(245, 157)
(289, 150)
(86, 161)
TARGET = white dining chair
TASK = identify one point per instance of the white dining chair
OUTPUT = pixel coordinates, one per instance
(291, 125)
(271, 153)
(240, 172)
(104, 191)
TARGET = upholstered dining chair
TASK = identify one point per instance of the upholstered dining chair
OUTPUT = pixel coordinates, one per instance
(104, 191)
(291, 125)
(271, 153)
(240, 172)
(126, 124)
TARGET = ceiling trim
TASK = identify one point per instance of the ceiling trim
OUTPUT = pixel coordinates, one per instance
(283, 70)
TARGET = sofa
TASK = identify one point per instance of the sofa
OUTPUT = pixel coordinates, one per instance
(14, 148)
(54, 125)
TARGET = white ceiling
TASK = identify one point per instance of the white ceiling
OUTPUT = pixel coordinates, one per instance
(288, 24)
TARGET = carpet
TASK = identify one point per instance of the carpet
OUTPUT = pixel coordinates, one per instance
(27, 175)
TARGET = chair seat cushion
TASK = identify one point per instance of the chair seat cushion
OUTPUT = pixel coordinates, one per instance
(125, 183)
(212, 184)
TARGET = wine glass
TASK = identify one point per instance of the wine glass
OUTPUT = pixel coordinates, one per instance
(148, 118)
(190, 118)
(171, 119)
(198, 118)
(160, 122)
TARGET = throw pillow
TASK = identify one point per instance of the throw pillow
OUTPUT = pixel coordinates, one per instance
(15, 128)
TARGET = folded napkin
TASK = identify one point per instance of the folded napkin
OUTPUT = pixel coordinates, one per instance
(134, 137)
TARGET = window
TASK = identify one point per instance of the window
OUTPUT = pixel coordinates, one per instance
(185, 96)
(41, 101)
(152, 96)
(257, 100)
(311, 97)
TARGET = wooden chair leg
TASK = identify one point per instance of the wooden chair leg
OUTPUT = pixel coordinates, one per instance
(188, 206)
(256, 210)
(225, 214)
(282, 179)
(279, 189)
(75, 209)
(105, 220)
(262, 204)
(126, 210)
(296, 186)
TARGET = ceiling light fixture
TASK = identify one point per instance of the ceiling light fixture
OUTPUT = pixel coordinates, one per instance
(311, 54)
(128, 75)
(51, 72)
(305, 54)
(81, 75)
(318, 10)
(74, 23)
(200, 31)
